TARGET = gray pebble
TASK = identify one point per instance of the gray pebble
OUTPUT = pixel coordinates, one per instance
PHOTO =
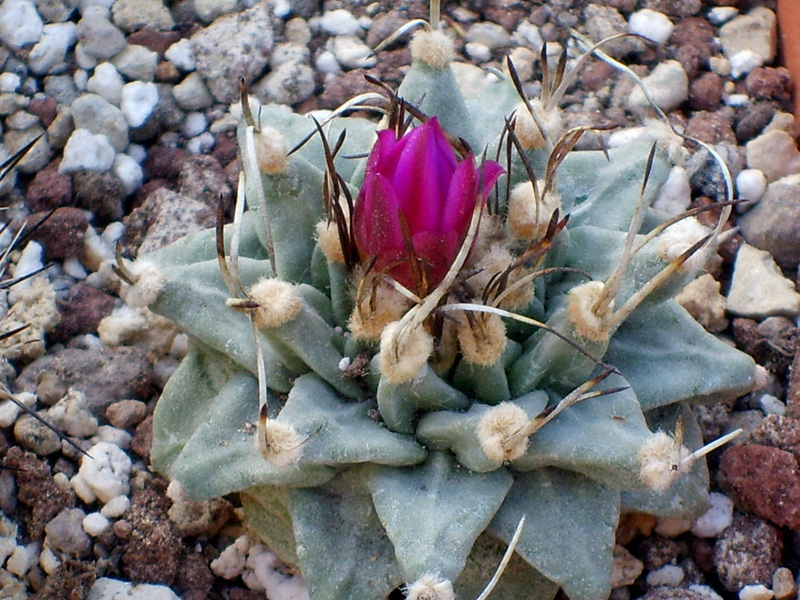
(288, 84)
(95, 114)
(208, 10)
(65, 533)
(288, 53)
(192, 93)
(137, 63)
(605, 21)
(773, 223)
(130, 15)
(233, 46)
(11, 103)
(38, 156)
(99, 37)
(489, 34)
(36, 437)
(61, 88)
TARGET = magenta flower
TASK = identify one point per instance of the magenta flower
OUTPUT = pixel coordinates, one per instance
(419, 179)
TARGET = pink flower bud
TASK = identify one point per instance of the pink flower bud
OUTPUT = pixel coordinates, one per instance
(418, 178)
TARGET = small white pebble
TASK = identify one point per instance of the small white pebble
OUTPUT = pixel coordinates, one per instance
(139, 100)
(230, 563)
(129, 172)
(62, 481)
(113, 435)
(95, 523)
(29, 261)
(706, 591)
(745, 61)
(181, 54)
(722, 14)
(49, 561)
(73, 267)
(82, 489)
(675, 195)
(344, 363)
(107, 472)
(326, 63)
(201, 144)
(9, 83)
(113, 232)
(651, 24)
(194, 124)
(716, 519)
(755, 592)
(22, 559)
(266, 568)
(751, 184)
(668, 575)
(9, 411)
(737, 100)
(772, 405)
(719, 65)
(116, 507)
(478, 52)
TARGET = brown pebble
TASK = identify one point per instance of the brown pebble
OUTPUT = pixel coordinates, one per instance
(705, 92)
(126, 413)
(770, 83)
(783, 585)
(766, 479)
(62, 233)
(143, 438)
(793, 388)
(81, 311)
(49, 189)
(122, 529)
(748, 552)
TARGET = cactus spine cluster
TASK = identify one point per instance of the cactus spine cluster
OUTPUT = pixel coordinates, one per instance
(409, 349)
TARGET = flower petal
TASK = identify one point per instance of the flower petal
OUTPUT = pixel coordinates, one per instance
(376, 218)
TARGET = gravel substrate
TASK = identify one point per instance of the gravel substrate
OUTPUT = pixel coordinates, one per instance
(134, 100)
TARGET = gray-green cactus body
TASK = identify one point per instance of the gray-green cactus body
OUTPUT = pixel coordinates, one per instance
(392, 481)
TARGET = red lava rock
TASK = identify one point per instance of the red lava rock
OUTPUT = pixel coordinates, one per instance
(748, 552)
(153, 550)
(101, 193)
(194, 576)
(45, 108)
(49, 189)
(507, 13)
(675, 8)
(766, 479)
(710, 127)
(385, 25)
(770, 83)
(343, 87)
(779, 432)
(596, 75)
(37, 490)
(62, 234)
(81, 311)
(71, 580)
(793, 388)
(656, 551)
(693, 39)
(753, 120)
(163, 162)
(203, 179)
(143, 438)
(705, 92)
(126, 413)
(243, 594)
(153, 39)
(225, 148)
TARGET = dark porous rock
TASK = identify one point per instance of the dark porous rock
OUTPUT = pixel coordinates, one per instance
(143, 438)
(773, 223)
(202, 178)
(674, 593)
(45, 108)
(37, 490)
(71, 580)
(194, 576)
(766, 480)
(771, 343)
(751, 122)
(225, 148)
(153, 39)
(343, 87)
(705, 92)
(126, 413)
(675, 8)
(152, 552)
(104, 376)
(710, 127)
(244, 594)
(81, 311)
(383, 26)
(65, 533)
(101, 193)
(62, 234)
(657, 551)
(164, 162)
(8, 492)
(49, 189)
(693, 41)
(506, 13)
(770, 83)
(596, 75)
(162, 218)
(748, 553)
(34, 435)
(779, 432)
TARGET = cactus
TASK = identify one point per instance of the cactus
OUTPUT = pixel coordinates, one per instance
(410, 363)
